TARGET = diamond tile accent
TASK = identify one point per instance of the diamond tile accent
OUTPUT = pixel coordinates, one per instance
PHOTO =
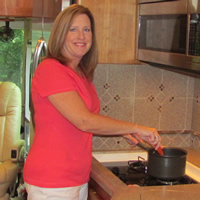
(105, 109)
(106, 98)
(171, 99)
(161, 97)
(160, 108)
(162, 87)
(106, 86)
(117, 98)
(151, 98)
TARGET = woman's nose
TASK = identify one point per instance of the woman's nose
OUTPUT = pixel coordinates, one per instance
(81, 34)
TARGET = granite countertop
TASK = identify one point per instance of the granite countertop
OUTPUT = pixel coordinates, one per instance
(117, 190)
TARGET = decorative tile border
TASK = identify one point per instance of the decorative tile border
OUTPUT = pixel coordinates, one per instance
(169, 138)
(195, 141)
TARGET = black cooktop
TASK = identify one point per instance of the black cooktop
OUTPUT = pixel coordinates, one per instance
(136, 173)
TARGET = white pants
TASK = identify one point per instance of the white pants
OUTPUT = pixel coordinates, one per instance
(68, 193)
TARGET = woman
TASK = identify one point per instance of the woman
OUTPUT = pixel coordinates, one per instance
(66, 112)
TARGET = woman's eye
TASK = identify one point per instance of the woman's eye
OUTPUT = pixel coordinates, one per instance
(87, 29)
(72, 29)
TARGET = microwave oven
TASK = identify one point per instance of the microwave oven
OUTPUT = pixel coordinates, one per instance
(169, 33)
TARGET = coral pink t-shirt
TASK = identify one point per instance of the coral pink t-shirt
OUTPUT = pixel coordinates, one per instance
(61, 154)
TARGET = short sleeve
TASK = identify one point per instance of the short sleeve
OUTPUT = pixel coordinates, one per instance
(52, 77)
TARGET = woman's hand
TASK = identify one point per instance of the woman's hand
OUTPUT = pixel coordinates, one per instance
(130, 139)
(150, 135)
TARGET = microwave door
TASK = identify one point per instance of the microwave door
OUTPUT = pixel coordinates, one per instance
(162, 39)
(162, 35)
(193, 40)
(164, 58)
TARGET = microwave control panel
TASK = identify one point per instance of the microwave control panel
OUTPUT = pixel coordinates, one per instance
(194, 36)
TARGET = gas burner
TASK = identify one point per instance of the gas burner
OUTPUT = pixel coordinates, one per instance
(128, 175)
(149, 180)
(167, 182)
(152, 181)
(135, 172)
(139, 165)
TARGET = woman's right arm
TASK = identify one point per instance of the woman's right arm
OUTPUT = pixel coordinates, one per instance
(72, 107)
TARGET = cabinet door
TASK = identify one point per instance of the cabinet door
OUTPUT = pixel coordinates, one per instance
(16, 8)
(115, 29)
(48, 9)
(52, 9)
(30, 8)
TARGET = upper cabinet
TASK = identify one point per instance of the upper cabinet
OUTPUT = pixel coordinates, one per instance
(48, 9)
(52, 8)
(115, 29)
(115, 23)
(16, 8)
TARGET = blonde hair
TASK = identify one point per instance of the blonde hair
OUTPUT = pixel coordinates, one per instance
(61, 27)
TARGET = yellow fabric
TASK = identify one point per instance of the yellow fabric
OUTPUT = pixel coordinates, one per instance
(8, 170)
(10, 123)
(10, 118)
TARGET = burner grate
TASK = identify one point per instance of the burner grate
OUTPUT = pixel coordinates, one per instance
(136, 173)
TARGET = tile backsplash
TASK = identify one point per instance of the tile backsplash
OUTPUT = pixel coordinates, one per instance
(196, 107)
(148, 96)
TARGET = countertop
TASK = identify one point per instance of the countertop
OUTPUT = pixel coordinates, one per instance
(115, 189)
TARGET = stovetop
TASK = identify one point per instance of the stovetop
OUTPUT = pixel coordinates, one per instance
(136, 173)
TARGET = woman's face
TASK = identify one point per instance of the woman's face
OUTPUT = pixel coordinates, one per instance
(78, 39)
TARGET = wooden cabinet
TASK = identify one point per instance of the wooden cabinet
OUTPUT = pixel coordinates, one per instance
(52, 8)
(115, 29)
(16, 8)
(48, 9)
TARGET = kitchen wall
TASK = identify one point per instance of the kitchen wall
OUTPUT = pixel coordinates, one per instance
(196, 106)
(196, 115)
(149, 96)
